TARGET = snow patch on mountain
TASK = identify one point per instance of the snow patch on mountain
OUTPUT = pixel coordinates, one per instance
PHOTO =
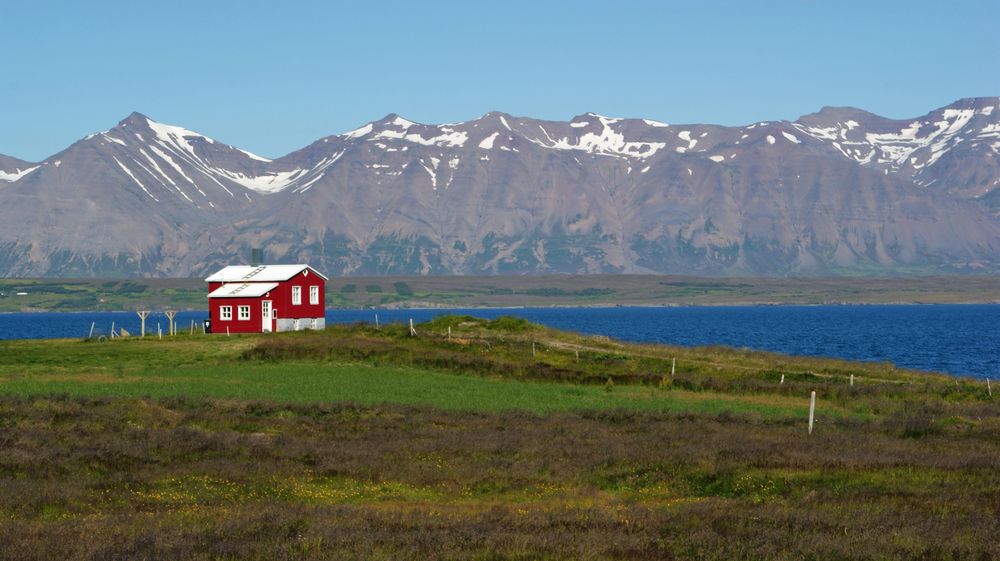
(448, 137)
(686, 137)
(897, 148)
(253, 156)
(606, 142)
(430, 172)
(110, 138)
(266, 183)
(12, 176)
(176, 135)
(359, 132)
(137, 182)
(487, 143)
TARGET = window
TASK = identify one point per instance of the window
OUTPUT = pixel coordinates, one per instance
(225, 313)
(296, 295)
(314, 295)
(244, 312)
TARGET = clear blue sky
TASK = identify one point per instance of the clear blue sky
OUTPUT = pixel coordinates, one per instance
(270, 77)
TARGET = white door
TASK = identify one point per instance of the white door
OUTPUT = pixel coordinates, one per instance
(265, 314)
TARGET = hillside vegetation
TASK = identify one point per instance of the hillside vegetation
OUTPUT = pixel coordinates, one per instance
(481, 439)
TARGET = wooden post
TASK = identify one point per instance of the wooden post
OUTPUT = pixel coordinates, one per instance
(112, 330)
(989, 390)
(577, 351)
(170, 317)
(376, 321)
(413, 332)
(532, 348)
(673, 367)
(227, 331)
(91, 334)
(782, 378)
(142, 320)
(159, 331)
(852, 380)
(192, 328)
(449, 333)
(812, 410)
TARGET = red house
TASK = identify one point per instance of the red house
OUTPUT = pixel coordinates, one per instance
(266, 298)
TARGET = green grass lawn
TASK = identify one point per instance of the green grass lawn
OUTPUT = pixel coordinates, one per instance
(422, 371)
(312, 382)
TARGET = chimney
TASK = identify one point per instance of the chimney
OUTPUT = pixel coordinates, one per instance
(256, 257)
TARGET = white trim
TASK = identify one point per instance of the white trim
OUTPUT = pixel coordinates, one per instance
(266, 314)
(263, 273)
(296, 295)
(241, 315)
(243, 290)
(313, 295)
(225, 313)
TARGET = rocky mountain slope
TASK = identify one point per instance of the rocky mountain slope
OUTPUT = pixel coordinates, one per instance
(840, 191)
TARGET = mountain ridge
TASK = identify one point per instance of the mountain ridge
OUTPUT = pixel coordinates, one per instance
(839, 191)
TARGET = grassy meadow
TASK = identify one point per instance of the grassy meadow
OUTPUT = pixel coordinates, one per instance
(481, 439)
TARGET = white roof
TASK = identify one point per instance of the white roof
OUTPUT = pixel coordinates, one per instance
(262, 273)
(243, 290)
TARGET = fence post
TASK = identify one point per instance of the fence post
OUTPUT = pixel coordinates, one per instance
(782, 378)
(413, 332)
(852, 380)
(143, 314)
(989, 390)
(812, 410)
(673, 367)
(170, 317)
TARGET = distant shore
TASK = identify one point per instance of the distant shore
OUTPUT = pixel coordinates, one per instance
(492, 292)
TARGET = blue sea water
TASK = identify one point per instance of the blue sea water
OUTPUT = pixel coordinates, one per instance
(957, 339)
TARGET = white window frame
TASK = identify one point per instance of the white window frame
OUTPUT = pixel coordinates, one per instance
(225, 313)
(244, 313)
(296, 295)
(314, 295)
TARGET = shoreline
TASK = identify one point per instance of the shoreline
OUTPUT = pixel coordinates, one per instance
(597, 306)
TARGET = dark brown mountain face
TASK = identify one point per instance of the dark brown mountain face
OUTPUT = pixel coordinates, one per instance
(840, 191)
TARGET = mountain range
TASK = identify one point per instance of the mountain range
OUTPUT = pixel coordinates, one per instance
(841, 191)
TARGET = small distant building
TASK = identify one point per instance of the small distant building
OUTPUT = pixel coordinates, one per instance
(266, 298)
